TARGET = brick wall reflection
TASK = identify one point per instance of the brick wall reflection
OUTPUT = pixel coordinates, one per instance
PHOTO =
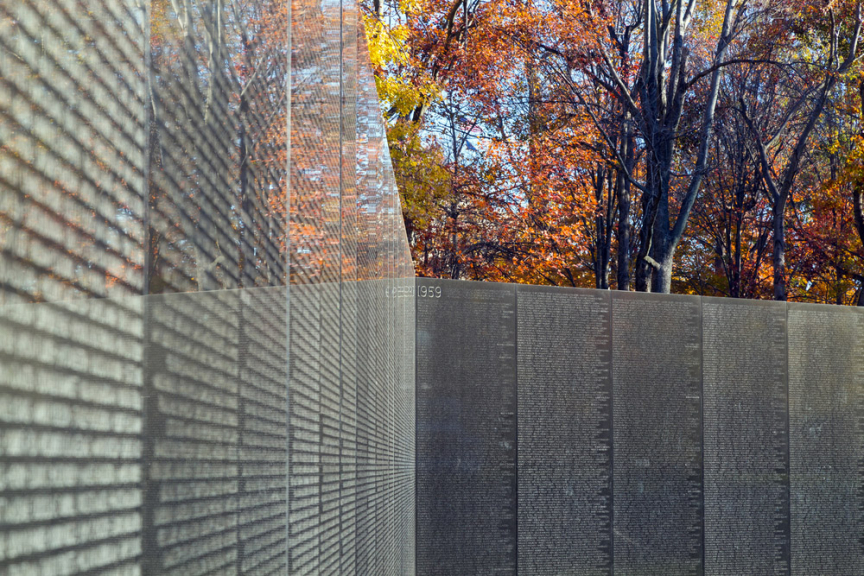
(168, 403)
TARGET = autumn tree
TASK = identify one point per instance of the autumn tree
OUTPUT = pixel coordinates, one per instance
(828, 225)
(616, 144)
(788, 96)
(726, 250)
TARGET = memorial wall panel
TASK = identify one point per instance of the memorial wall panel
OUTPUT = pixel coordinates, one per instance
(370, 424)
(315, 265)
(192, 434)
(73, 164)
(263, 431)
(349, 297)
(406, 421)
(304, 468)
(208, 356)
(348, 432)
(657, 447)
(166, 416)
(466, 428)
(656, 434)
(215, 433)
(170, 405)
(352, 462)
(826, 436)
(746, 446)
(565, 425)
(72, 463)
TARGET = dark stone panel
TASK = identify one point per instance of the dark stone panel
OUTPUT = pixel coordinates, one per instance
(191, 435)
(564, 453)
(826, 396)
(168, 434)
(383, 521)
(745, 438)
(657, 439)
(263, 430)
(405, 457)
(466, 428)
(331, 418)
(351, 331)
(144, 435)
(351, 429)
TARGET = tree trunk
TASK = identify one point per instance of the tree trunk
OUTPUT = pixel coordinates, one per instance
(738, 261)
(643, 275)
(646, 235)
(858, 204)
(623, 235)
(601, 263)
(661, 282)
(623, 188)
(858, 214)
(662, 279)
(779, 254)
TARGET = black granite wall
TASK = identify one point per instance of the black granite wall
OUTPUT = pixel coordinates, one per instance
(564, 440)
(466, 406)
(656, 375)
(826, 438)
(654, 434)
(206, 294)
(746, 439)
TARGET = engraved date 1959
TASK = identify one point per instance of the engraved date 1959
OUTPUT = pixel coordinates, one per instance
(407, 292)
(429, 292)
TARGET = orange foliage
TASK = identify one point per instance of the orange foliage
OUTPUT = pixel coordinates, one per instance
(526, 125)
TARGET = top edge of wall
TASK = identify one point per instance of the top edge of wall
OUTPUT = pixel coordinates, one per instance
(619, 294)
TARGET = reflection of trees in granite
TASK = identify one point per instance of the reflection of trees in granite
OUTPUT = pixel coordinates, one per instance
(217, 145)
(351, 351)
(145, 151)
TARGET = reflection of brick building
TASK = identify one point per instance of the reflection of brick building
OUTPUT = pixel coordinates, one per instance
(145, 383)
(73, 117)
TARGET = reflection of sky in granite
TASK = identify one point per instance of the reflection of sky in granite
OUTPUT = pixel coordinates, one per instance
(145, 241)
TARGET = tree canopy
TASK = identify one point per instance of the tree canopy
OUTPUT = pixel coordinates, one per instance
(657, 145)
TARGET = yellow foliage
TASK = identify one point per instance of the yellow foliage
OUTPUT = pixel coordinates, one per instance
(391, 59)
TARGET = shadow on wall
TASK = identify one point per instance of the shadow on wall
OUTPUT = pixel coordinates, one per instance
(145, 432)
(168, 403)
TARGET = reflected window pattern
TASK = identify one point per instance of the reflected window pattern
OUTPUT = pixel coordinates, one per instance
(204, 364)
